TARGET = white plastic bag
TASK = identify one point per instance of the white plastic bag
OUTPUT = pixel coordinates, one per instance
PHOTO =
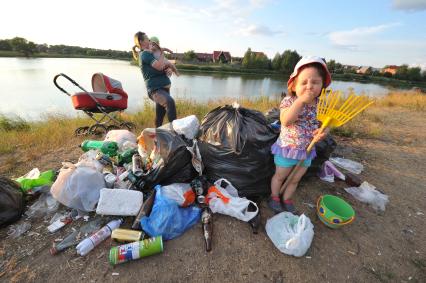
(225, 184)
(291, 234)
(88, 159)
(187, 126)
(78, 187)
(119, 202)
(367, 193)
(120, 137)
(181, 193)
(221, 201)
(347, 164)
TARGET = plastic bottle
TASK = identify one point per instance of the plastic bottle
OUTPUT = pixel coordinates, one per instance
(126, 156)
(85, 246)
(71, 239)
(136, 250)
(107, 147)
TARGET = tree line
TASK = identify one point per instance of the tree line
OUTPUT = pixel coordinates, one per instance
(286, 61)
(29, 48)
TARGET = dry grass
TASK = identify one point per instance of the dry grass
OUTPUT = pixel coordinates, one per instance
(56, 130)
(411, 100)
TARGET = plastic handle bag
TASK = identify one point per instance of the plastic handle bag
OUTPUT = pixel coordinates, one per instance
(291, 234)
(167, 218)
(221, 201)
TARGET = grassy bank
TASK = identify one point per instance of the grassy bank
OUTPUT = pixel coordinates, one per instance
(55, 131)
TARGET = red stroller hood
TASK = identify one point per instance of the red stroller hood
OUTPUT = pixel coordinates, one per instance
(102, 83)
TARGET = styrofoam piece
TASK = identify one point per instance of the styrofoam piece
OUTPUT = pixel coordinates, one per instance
(119, 202)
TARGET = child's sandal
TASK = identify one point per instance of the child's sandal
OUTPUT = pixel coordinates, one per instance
(289, 206)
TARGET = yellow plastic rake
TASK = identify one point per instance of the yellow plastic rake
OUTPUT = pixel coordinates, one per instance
(333, 111)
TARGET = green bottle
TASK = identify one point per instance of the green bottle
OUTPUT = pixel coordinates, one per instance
(107, 147)
(45, 178)
(126, 157)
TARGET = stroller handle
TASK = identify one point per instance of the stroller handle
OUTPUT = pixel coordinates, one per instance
(68, 78)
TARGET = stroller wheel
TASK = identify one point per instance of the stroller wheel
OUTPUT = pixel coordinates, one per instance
(81, 131)
(128, 125)
(112, 127)
(97, 130)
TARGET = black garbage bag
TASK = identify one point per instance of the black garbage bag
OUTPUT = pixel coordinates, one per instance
(11, 201)
(177, 166)
(324, 149)
(272, 115)
(235, 144)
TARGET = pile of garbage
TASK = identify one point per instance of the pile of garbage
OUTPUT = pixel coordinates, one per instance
(165, 180)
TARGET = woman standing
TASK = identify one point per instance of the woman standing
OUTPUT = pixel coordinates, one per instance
(155, 73)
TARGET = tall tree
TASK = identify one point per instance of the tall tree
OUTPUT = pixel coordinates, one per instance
(289, 60)
(247, 59)
(22, 45)
(5, 45)
(189, 55)
(276, 62)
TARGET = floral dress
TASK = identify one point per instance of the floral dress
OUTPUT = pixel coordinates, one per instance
(295, 138)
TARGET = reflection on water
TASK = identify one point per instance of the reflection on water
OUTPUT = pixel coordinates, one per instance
(27, 88)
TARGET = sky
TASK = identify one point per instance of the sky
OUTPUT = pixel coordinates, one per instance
(361, 32)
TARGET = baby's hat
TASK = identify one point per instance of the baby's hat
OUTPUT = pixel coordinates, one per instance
(309, 60)
(155, 40)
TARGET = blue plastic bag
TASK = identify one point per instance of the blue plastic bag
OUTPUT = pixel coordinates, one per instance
(167, 218)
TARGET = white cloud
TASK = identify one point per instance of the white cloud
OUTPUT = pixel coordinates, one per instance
(252, 29)
(409, 5)
(355, 38)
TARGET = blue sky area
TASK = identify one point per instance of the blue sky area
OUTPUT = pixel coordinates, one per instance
(374, 33)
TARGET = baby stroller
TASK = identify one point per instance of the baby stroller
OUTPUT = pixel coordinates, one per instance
(108, 96)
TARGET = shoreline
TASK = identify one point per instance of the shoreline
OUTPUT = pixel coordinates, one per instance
(225, 69)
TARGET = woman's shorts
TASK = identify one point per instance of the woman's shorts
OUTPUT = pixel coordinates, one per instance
(288, 162)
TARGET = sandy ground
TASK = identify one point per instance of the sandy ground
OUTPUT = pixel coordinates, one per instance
(387, 247)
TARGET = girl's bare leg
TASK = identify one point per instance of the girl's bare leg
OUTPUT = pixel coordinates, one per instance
(278, 179)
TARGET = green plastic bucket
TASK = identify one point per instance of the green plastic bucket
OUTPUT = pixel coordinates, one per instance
(334, 211)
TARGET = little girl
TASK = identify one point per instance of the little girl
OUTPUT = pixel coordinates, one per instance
(298, 126)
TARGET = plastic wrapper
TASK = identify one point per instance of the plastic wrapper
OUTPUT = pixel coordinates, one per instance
(187, 126)
(121, 137)
(347, 164)
(16, 231)
(44, 206)
(235, 144)
(367, 193)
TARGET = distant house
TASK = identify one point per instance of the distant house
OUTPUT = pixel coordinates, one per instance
(175, 56)
(204, 57)
(364, 70)
(350, 68)
(222, 56)
(392, 69)
(258, 54)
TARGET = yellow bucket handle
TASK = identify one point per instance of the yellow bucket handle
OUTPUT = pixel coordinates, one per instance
(326, 220)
